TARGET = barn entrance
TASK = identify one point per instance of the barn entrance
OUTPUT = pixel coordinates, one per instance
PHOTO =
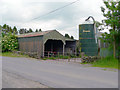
(53, 47)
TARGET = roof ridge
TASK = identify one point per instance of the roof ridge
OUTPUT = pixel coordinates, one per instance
(35, 33)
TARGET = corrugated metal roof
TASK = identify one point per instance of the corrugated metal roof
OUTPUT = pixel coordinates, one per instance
(35, 34)
(69, 39)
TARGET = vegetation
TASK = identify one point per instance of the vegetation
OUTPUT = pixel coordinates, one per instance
(23, 31)
(72, 37)
(8, 38)
(61, 57)
(111, 12)
(10, 54)
(9, 42)
(67, 36)
(6, 29)
(107, 62)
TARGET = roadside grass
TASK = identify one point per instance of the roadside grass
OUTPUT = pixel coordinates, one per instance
(11, 54)
(107, 62)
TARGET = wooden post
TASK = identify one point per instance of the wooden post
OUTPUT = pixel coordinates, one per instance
(48, 54)
(43, 50)
(69, 58)
(63, 49)
(58, 55)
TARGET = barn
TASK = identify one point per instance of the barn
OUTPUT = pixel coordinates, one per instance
(46, 42)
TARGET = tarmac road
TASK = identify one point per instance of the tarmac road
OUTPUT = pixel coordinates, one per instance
(56, 74)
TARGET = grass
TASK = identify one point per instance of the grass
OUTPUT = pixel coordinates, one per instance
(107, 62)
(10, 54)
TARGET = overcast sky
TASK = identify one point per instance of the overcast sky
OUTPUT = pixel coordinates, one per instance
(22, 14)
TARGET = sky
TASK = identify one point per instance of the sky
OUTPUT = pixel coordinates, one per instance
(34, 14)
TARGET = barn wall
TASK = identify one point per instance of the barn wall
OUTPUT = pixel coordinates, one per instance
(31, 44)
(70, 47)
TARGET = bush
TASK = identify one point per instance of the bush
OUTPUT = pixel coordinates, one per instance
(9, 42)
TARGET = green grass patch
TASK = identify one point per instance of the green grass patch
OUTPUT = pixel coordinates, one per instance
(107, 62)
(11, 54)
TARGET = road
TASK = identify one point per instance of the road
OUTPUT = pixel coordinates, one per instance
(58, 74)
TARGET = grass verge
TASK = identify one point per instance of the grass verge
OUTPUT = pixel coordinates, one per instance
(10, 54)
(107, 62)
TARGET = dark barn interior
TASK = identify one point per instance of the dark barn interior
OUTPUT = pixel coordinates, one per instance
(53, 47)
(70, 47)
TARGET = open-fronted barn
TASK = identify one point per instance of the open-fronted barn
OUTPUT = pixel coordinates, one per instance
(43, 43)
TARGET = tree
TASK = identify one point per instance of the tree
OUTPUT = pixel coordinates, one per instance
(111, 12)
(36, 30)
(30, 30)
(15, 30)
(67, 36)
(22, 31)
(8, 38)
(9, 42)
(40, 30)
(72, 37)
(6, 29)
(99, 25)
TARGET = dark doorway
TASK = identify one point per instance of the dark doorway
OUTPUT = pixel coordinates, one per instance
(53, 47)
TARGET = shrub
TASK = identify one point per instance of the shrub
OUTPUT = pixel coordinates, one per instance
(9, 42)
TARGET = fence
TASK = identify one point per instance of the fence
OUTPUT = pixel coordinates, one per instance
(60, 55)
(54, 54)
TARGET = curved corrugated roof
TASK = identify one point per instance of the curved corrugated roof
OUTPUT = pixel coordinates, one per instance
(88, 22)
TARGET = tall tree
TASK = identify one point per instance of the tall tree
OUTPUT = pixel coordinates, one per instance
(30, 30)
(15, 30)
(40, 30)
(111, 12)
(67, 36)
(22, 31)
(36, 30)
(72, 37)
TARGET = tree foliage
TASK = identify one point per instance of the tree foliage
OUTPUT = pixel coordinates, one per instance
(6, 29)
(40, 30)
(111, 12)
(72, 37)
(67, 36)
(22, 31)
(8, 41)
(36, 30)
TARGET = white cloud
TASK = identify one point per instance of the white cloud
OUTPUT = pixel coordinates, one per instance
(21, 12)
(72, 31)
(44, 25)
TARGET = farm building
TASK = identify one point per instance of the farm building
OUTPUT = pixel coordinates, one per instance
(45, 43)
(88, 39)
